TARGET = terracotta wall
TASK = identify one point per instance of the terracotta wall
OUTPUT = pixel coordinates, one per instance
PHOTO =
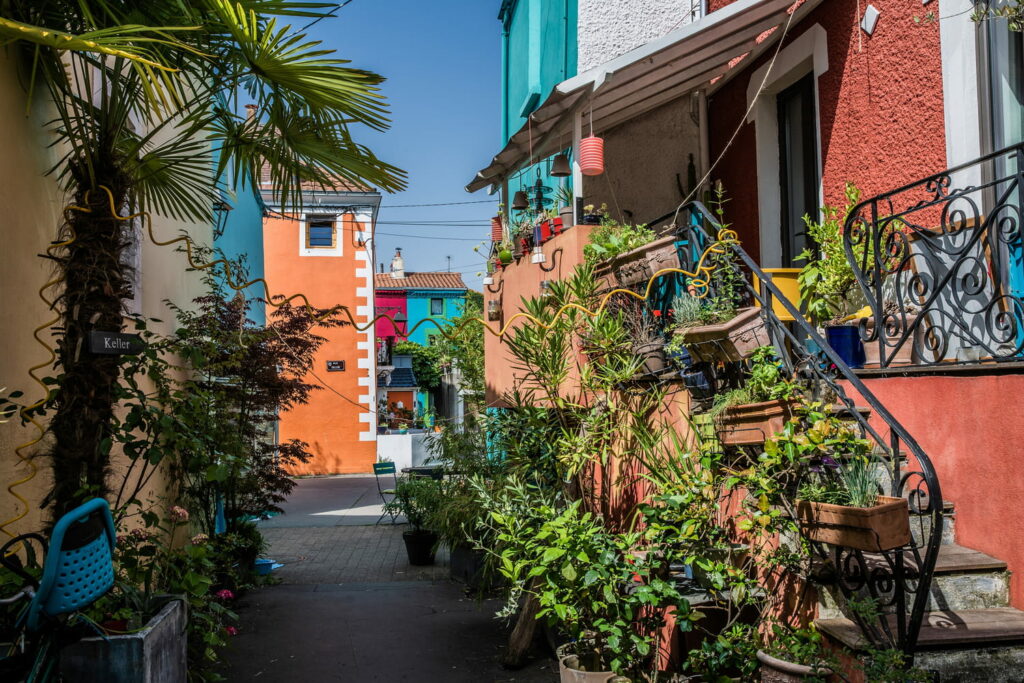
(340, 429)
(522, 280)
(971, 428)
(880, 109)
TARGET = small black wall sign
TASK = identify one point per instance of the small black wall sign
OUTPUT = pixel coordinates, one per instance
(335, 366)
(114, 343)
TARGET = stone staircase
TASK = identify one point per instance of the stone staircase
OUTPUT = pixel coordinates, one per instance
(970, 633)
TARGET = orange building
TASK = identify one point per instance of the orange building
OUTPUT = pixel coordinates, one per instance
(325, 253)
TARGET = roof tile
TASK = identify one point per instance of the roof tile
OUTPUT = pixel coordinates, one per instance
(442, 280)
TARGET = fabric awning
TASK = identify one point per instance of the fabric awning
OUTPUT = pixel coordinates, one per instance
(702, 55)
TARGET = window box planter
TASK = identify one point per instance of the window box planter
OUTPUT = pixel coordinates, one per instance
(882, 527)
(732, 340)
(156, 653)
(774, 670)
(906, 355)
(635, 268)
(751, 423)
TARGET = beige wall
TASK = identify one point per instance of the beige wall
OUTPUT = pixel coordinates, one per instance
(30, 206)
(643, 159)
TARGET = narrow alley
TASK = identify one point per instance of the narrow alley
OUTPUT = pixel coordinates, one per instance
(350, 608)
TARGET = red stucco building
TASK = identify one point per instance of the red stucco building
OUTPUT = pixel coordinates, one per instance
(784, 103)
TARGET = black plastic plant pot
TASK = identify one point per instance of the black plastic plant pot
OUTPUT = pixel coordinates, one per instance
(419, 546)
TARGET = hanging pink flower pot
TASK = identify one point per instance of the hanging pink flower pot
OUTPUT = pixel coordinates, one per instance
(592, 156)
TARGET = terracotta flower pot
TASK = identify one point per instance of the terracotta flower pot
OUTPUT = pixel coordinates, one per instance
(654, 359)
(882, 527)
(732, 340)
(565, 215)
(751, 423)
(774, 670)
(906, 354)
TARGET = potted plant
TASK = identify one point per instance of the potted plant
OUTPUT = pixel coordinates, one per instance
(503, 254)
(793, 655)
(611, 241)
(417, 498)
(840, 504)
(907, 353)
(564, 201)
(828, 286)
(592, 216)
(714, 328)
(760, 408)
(588, 582)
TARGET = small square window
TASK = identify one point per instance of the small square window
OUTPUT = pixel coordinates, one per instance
(320, 233)
(437, 307)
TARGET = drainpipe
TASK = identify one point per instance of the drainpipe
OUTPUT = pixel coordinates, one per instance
(504, 80)
(705, 144)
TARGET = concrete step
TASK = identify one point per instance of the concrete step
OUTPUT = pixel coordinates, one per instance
(961, 645)
(964, 579)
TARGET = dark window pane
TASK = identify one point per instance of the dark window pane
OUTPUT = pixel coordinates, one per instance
(321, 234)
(437, 307)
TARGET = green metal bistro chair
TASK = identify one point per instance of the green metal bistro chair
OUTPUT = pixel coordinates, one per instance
(382, 469)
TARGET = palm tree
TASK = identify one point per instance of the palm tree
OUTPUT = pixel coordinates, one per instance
(146, 95)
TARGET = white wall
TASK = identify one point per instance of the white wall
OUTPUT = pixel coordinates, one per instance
(405, 450)
(609, 28)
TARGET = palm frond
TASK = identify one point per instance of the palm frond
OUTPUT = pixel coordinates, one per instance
(286, 63)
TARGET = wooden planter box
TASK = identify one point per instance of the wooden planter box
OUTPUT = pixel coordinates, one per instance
(751, 423)
(732, 340)
(882, 527)
(638, 266)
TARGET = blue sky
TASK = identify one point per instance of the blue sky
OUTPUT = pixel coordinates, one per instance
(442, 61)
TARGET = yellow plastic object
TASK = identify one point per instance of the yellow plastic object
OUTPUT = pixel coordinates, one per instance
(785, 280)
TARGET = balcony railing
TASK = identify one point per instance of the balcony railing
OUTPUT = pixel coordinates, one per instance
(941, 264)
(897, 582)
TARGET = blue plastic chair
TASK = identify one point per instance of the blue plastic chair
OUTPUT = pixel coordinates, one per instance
(79, 564)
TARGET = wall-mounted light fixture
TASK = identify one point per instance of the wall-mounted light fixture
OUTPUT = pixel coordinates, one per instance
(493, 311)
(488, 280)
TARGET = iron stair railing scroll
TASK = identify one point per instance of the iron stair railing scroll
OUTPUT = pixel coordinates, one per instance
(941, 264)
(897, 581)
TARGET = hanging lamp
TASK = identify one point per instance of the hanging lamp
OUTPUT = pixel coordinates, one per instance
(592, 155)
(520, 202)
(560, 167)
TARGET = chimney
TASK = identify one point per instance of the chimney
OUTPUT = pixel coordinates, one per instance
(398, 265)
(250, 111)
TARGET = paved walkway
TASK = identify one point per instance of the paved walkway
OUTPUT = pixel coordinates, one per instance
(351, 608)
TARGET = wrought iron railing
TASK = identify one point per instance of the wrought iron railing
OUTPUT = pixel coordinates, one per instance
(898, 581)
(941, 264)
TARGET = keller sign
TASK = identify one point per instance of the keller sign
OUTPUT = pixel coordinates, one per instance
(114, 343)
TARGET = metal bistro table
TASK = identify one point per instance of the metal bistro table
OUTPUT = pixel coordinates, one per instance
(433, 471)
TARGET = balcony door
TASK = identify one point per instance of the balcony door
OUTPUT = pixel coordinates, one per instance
(798, 165)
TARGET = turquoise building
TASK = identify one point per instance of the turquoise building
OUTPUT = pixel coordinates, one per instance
(238, 232)
(539, 51)
(413, 300)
